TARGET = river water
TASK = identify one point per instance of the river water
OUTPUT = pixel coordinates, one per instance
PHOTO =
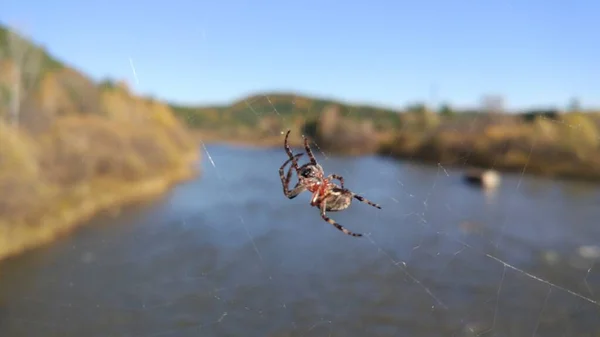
(228, 255)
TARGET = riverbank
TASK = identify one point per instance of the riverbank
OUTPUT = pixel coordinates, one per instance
(520, 148)
(215, 138)
(547, 142)
(69, 209)
(526, 155)
(71, 147)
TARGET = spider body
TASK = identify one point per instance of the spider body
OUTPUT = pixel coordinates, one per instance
(326, 195)
(336, 199)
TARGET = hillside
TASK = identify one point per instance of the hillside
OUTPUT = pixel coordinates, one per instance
(547, 142)
(251, 111)
(261, 118)
(70, 147)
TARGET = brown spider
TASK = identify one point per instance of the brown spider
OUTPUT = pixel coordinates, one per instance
(326, 195)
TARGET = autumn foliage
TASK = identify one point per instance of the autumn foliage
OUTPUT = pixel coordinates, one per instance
(555, 143)
(563, 146)
(70, 147)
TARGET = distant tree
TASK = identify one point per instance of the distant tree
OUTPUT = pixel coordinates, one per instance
(423, 118)
(107, 84)
(446, 110)
(418, 108)
(25, 60)
(329, 120)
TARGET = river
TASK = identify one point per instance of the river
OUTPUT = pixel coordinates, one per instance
(228, 255)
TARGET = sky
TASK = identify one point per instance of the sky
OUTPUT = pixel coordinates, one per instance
(535, 53)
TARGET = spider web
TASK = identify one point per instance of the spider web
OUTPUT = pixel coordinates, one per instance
(228, 254)
(567, 284)
(431, 263)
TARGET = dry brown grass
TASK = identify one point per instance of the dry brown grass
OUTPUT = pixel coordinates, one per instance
(75, 147)
(65, 211)
(564, 148)
(82, 164)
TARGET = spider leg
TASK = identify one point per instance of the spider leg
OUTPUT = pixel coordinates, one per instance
(293, 167)
(338, 177)
(287, 146)
(331, 221)
(285, 180)
(365, 200)
(311, 156)
(294, 160)
(314, 199)
(291, 156)
(299, 188)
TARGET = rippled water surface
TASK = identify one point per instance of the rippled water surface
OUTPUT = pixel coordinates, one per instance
(228, 255)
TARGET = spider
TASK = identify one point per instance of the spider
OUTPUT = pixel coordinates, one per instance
(326, 195)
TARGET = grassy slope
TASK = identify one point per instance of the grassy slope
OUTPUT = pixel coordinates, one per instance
(80, 147)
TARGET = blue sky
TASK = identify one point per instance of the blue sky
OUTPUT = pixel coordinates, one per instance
(533, 52)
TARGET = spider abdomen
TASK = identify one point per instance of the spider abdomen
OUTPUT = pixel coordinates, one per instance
(337, 200)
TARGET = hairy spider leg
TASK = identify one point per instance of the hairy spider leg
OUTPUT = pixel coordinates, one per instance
(287, 146)
(294, 166)
(294, 160)
(323, 206)
(285, 180)
(365, 200)
(290, 154)
(338, 177)
(311, 156)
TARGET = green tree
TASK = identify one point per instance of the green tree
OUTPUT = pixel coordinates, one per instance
(446, 110)
(418, 108)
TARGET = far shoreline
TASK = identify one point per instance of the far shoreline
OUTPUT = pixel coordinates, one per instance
(275, 142)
